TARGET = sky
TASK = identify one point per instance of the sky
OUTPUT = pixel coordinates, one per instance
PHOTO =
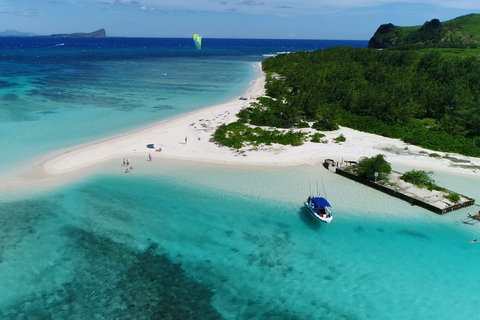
(277, 19)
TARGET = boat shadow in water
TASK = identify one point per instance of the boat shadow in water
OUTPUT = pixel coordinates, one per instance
(308, 220)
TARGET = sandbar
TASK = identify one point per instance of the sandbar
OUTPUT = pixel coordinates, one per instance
(189, 138)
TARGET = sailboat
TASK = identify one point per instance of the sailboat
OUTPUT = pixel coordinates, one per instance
(319, 208)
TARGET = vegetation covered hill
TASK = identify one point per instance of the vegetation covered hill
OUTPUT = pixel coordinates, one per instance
(95, 34)
(427, 98)
(427, 93)
(463, 31)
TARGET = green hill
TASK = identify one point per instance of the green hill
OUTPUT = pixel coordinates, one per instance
(428, 98)
(95, 34)
(460, 32)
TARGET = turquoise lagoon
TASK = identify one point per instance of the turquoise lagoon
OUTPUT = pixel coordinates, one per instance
(188, 241)
(222, 242)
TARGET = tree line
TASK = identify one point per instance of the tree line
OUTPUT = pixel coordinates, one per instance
(426, 98)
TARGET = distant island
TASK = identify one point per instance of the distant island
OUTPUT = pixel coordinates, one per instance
(460, 32)
(95, 34)
(15, 33)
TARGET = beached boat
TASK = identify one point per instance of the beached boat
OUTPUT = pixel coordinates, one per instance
(319, 209)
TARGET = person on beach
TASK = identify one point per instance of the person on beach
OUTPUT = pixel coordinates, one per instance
(123, 161)
(128, 161)
(149, 157)
(186, 140)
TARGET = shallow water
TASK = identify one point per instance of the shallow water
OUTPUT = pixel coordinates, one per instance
(177, 239)
(98, 99)
(238, 245)
(56, 93)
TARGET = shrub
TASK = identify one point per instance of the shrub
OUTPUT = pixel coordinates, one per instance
(230, 135)
(340, 138)
(452, 197)
(325, 125)
(421, 179)
(244, 115)
(367, 167)
(235, 134)
(302, 124)
(316, 137)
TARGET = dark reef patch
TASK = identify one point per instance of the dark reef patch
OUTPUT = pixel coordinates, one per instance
(111, 281)
(72, 95)
(162, 107)
(9, 97)
(359, 229)
(271, 249)
(415, 234)
(18, 219)
(5, 84)
(47, 112)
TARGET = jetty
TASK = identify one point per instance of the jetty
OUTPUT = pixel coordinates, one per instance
(431, 200)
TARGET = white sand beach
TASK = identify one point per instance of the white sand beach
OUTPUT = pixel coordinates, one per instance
(189, 137)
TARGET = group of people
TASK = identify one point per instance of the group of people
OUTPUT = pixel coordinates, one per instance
(126, 162)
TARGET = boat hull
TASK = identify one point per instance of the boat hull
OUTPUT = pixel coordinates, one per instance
(326, 218)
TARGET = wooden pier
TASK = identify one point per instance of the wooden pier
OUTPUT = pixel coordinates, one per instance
(430, 200)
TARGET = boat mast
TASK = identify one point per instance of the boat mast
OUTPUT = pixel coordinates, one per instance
(324, 191)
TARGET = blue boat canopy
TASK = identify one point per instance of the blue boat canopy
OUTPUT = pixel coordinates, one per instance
(320, 202)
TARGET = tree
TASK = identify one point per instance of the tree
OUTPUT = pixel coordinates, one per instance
(367, 167)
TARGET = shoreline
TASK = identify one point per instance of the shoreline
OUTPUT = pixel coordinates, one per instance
(187, 137)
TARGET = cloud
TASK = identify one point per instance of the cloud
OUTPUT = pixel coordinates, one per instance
(251, 3)
(137, 4)
(459, 4)
(273, 7)
(128, 2)
(154, 10)
(26, 13)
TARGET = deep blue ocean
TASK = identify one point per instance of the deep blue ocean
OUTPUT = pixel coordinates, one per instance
(197, 241)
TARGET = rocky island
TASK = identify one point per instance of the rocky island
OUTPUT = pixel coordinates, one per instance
(95, 34)
(458, 32)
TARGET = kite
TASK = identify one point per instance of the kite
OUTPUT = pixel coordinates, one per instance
(197, 38)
